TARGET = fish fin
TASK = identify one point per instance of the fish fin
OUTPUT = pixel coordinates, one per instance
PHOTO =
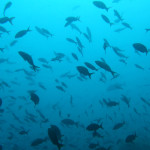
(29, 29)
(35, 68)
(60, 146)
(101, 126)
(11, 19)
(90, 75)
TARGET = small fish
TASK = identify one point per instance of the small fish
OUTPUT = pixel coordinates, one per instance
(116, 13)
(126, 25)
(1, 102)
(90, 66)
(130, 138)
(2, 29)
(13, 43)
(43, 60)
(60, 88)
(22, 33)
(29, 59)
(120, 29)
(8, 5)
(6, 19)
(34, 97)
(118, 125)
(71, 40)
(139, 67)
(74, 56)
(74, 27)
(45, 31)
(100, 5)
(147, 30)
(70, 20)
(106, 20)
(94, 127)
(79, 43)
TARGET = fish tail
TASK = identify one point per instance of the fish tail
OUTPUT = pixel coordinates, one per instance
(35, 68)
(101, 126)
(111, 24)
(29, 29)
(90, 75)
(7, 32)
(11, 19)
(60, 146)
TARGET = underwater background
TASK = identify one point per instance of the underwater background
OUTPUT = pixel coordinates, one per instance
(74, 74)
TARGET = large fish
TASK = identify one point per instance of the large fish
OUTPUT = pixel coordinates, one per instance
(29, 59)
(54, 138)
(84, 71)
(140, 47)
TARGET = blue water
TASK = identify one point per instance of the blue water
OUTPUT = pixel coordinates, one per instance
(87, 94)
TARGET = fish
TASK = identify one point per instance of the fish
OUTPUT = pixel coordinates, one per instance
(1, 102)
(140, 48)
(13, 43)
(105, 66)
(54, 139)
(74, 56)
(106, 19)
(70, 20)
(84, 71)
(147, 30)
(2, 60)
(6, 19)
(43, 60)
(2, 29)
(130, 138)
(8, 5)
(90, 66)
(34, 97)
(2, 49)
(126, 100)
(139, 67)
(60, 88)
(93, 145)
(116, 13)
(126, 25)
(89, 34)
(110, 103)
(74, 27)
(101, 5)
(46, 32)
(71, 40)
(94, 127)
(119, 125)
(23, 132)
(22, 33)
(40, 31)
(119, 29)
(79, 43)
(57, 132)
(145, 101)
(69, 122)
(38, 141)
(29, 59)
(106, 45)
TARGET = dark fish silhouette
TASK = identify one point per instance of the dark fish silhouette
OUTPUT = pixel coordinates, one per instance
(100, 5)
(22, 33)
(84, 71)
(130, 138)
(140, 47)
(54, 139)
(8, 5)
(29, 59)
